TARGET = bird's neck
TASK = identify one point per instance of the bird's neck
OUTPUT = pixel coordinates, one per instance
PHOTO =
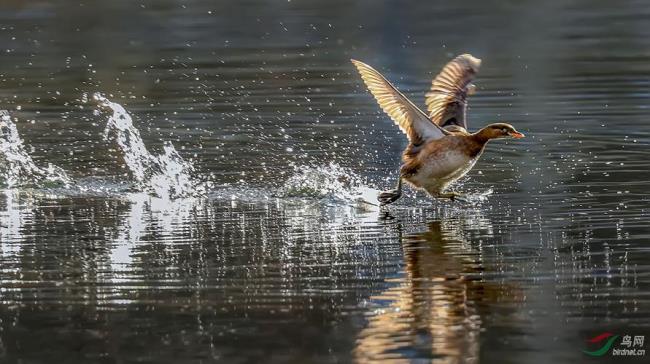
(475, 143)
(483, 136)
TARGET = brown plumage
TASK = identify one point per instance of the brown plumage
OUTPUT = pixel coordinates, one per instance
(413, 122)
(447, 99)
(440, 149)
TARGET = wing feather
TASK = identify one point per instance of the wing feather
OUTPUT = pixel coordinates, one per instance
(447, 99)
(413, 121)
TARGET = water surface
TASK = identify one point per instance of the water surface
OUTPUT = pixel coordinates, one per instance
(230, 233)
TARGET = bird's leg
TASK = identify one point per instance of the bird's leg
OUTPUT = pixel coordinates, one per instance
(391, 196)
(454, 196)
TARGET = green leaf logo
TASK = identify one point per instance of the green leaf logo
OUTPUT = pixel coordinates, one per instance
(605, 348)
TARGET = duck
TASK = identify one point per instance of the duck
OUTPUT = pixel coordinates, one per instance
(440, 148)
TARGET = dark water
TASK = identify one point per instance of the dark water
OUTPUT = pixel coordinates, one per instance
(271, 263)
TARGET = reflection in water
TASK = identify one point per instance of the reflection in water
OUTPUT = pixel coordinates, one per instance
(168, 219)
(434, 310)
(128, 234)
(206, 270)
(17, 210)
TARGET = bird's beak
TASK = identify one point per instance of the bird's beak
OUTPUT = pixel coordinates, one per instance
(516, 134)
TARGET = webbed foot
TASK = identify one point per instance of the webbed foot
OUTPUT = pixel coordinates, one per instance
(390, 196)
(454, 196)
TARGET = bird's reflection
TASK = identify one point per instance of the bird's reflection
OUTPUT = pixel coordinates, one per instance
(433, 311)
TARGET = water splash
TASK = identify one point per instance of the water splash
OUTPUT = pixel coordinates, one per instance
(167, 175)
(17, 168)
(336, 185)
(330, 183)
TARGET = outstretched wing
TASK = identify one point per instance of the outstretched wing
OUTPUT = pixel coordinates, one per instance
(447, 99)
(413, 121)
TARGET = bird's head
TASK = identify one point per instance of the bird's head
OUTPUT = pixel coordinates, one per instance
(500, 130)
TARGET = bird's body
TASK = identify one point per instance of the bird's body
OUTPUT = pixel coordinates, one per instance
(439, 164)
(440, 149)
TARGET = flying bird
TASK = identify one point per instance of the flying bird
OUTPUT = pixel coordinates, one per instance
(440, 149)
